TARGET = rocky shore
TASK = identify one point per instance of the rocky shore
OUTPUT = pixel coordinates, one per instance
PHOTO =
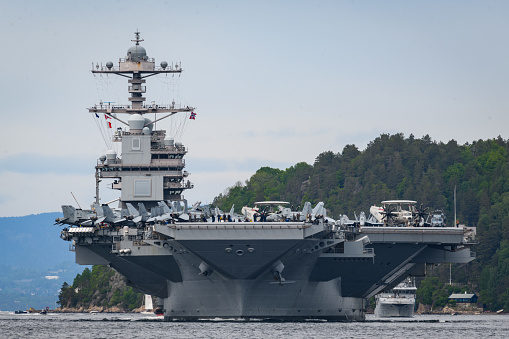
(97, 309)
(426, 309)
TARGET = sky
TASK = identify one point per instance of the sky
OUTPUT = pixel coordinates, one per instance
(274, 83)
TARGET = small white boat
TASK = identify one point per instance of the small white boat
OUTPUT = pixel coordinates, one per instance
(398, 302)
(149, 307)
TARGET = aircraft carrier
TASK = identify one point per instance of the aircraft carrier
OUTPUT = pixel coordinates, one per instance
(202, 265)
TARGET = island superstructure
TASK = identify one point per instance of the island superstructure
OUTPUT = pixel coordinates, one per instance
(151, 167)
(300, 265)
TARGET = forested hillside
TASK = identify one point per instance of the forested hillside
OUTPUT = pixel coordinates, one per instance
(395, 167)
(100, 288)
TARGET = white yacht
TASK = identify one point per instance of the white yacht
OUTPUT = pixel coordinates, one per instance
(397, 302)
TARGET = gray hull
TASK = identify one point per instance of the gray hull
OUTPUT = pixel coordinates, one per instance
(258, 300)
(197, 274)
(246, 288)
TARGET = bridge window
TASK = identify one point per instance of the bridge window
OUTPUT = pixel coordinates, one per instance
(142, 187)
(136, 144)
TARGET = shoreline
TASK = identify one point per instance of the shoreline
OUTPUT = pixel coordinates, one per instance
(95, 309)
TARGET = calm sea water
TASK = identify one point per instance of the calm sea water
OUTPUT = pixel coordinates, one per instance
(109, 326)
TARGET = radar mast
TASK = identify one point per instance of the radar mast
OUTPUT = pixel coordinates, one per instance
(151, 166)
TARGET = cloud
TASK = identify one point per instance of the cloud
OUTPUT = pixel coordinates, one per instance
(208, 185)
(44, 164)
(208, 165)
(24, 194)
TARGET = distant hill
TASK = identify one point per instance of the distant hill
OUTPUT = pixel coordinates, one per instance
(35, 262)
(32, 241)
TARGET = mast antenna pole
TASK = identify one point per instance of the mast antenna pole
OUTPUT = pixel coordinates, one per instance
(137, 40)
(76, 200)
(97, 181)
(455, 219)
(450, 274)
(455, 223)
